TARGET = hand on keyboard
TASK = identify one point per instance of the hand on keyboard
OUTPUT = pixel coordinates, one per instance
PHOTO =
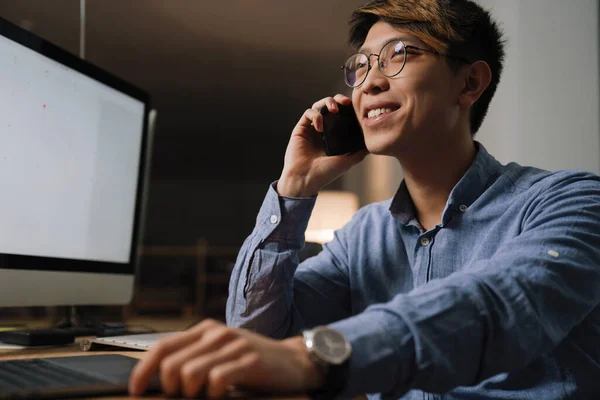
(213, 356)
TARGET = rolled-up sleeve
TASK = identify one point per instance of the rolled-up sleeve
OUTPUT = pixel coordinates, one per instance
(496, 316)
(268, 292)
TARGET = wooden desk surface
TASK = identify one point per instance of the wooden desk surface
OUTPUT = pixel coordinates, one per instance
(158, 324)
(74, 350)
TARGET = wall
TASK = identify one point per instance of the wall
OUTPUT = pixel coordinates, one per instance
(546, 110)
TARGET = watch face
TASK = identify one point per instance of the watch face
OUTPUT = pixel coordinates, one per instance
(331, 345)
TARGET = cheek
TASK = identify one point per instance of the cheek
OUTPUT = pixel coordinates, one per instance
(433, 104)
(355, 98)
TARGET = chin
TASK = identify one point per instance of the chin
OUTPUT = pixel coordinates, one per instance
(385, 143)
(380, 147)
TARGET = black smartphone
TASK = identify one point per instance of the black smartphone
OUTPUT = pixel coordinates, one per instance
(341, 131)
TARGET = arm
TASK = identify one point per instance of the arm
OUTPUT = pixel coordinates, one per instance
(526, 298)
(267, 292)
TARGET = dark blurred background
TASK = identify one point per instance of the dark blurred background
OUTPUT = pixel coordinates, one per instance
(229, 79)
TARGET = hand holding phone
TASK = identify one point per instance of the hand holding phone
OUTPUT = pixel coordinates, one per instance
(342, 133)
(307, 168)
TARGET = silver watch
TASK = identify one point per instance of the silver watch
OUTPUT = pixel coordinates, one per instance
(327, 346)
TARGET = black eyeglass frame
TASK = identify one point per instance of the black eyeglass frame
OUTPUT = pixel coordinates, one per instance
(404, 48)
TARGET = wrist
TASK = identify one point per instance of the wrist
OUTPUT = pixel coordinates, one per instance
(313, 373)
(294, 187)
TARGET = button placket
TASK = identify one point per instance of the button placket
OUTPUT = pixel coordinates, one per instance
(421, 264)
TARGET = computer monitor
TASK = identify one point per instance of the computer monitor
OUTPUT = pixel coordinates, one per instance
(73, 146)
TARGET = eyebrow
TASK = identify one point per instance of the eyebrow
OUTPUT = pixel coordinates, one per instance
(403, 38)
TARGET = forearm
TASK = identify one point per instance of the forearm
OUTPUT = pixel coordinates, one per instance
(497, 317)
(400, 346)
(264, 301)
(260, 290)
(270, 293)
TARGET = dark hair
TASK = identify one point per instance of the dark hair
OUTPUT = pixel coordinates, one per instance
(460, 29)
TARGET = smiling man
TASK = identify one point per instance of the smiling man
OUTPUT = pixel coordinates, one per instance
(477, 280)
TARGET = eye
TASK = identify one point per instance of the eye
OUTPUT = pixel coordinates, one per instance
(361, 61)
(398, 50)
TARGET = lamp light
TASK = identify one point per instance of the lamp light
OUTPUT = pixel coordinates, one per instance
(333, 209)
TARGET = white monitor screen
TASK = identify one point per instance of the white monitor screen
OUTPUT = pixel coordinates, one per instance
(69, 159)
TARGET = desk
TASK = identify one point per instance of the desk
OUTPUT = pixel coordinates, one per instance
(159, 324)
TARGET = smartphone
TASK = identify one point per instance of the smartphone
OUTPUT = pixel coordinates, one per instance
(341, 131)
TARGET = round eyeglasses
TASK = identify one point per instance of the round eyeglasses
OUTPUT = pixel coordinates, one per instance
(390, 61)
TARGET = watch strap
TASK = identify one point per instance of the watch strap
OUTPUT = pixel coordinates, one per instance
(336, 378)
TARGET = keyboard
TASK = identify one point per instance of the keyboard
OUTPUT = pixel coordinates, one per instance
(16, 375)
(143, 341)
(67, 377)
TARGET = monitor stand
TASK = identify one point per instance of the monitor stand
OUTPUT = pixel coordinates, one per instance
(69, 319)
(75, 320)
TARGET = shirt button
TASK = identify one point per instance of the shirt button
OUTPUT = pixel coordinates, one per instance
(274, 219)
(425, 241)
(463, 208)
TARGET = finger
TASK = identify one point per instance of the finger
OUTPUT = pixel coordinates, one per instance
(328, 102)
(312, 117)
(170, 367)
(240, 371)
(149, 365)
(194, 373)
(344, 100)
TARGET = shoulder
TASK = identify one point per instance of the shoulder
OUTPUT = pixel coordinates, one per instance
(560, 198)
(542, 181)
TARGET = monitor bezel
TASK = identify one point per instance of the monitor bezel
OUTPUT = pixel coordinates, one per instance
(54, 52)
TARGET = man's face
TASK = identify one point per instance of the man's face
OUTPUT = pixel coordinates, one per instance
(423, 98)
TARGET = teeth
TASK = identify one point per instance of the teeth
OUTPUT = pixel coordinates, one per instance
(377, 112)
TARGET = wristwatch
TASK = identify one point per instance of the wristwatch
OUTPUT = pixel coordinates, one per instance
(331, 350)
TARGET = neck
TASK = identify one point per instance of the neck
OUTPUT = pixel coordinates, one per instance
(431, 174)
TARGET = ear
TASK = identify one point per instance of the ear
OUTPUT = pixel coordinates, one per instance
(477, 78)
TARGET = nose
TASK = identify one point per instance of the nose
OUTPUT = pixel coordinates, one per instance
(375, 81)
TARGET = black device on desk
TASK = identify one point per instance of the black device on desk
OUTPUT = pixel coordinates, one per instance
(64, 377)
(38, 337)
(59, 336)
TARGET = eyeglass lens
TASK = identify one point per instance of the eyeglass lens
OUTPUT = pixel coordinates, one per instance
(391, 60)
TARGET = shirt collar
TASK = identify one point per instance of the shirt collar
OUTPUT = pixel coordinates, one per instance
(483, 171)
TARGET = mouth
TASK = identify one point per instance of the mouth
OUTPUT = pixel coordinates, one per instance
(374, 115)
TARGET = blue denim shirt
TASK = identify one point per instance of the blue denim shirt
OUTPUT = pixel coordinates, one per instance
(498, 301)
